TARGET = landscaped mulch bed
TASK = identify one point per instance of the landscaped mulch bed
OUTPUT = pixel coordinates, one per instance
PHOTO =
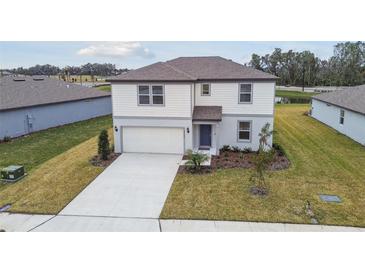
(232, 159)
(97, 161)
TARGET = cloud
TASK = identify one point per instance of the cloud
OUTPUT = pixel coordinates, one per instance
(116, 49)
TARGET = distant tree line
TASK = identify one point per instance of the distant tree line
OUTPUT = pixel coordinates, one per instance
(87, 69)
(345, 68)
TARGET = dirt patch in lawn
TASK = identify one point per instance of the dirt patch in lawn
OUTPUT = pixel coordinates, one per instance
(97, 161)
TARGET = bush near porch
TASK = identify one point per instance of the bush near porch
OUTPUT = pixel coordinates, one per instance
(322, 162)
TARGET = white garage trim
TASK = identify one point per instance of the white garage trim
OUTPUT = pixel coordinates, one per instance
(137, 139)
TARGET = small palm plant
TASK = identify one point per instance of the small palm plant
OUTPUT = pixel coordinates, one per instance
(195, 159)
(264, 135)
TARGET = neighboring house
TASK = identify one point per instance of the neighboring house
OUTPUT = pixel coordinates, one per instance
(29, 104)
(342, 110)
(191, 103)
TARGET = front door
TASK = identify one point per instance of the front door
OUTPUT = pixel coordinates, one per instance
(205, 135)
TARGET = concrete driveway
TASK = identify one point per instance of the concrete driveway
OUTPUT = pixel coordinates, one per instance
(127, 196)
(135, 185)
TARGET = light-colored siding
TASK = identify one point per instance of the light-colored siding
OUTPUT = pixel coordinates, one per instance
(14, 123)
(353, 127)
(226, 95)
(228, 130)
(177, 101)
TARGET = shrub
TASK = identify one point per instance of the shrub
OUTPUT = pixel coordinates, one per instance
(103, 145)
(247, 150)
(226, 148)
(279, 149)
(195, 159)
(236, 149)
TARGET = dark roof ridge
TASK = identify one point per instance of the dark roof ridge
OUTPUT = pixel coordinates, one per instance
(179, 71)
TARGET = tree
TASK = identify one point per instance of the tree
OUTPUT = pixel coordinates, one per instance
(256, 62)
(103, 145)
(345, 67)
(261, 162)
(264, 135)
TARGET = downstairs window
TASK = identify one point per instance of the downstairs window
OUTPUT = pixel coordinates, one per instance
(244, 131)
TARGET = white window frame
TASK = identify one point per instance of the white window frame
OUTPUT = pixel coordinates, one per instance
(239, 130)
(151, 95)
(342, 117)
(239, 93)
(202, 90)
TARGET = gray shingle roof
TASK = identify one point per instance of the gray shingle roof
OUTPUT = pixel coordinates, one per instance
(207, 113)
(19, 94)
(194, 69)
(352, 98)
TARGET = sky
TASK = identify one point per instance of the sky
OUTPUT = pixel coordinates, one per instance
(137, 54)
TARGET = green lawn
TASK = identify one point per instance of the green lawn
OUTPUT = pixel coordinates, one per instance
(322, 161)
(294, 94)
(35, 149)
(54, 183)
(57, 162)
(104, 88)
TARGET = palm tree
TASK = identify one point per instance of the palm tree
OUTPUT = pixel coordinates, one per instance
(264, 135)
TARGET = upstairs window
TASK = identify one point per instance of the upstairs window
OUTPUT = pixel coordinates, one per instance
(144, 95)
(245, 93)
(244, 131)
(205, 90)
(342, 116)
(157, 95)
(150, 95)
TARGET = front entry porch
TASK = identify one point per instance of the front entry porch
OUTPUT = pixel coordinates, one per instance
(206, 121)
(205, 137)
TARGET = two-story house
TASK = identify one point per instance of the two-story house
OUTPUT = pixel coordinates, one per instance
(191, 103)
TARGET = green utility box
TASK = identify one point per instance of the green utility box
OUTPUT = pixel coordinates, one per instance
(12, 173)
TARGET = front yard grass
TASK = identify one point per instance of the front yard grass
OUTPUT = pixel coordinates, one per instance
(322, 162)
(53, 184)
(37, 148)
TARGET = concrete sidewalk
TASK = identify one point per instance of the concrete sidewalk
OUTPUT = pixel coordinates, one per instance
(229, 226)
(22, 222)
(49, 223)
(99, 224)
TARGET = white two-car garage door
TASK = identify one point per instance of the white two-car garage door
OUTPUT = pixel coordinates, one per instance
(153, 140)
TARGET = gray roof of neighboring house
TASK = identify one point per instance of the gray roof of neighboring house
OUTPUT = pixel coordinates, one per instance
(352, 98)
(20, 94)
(189, 69)
(207, 113)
